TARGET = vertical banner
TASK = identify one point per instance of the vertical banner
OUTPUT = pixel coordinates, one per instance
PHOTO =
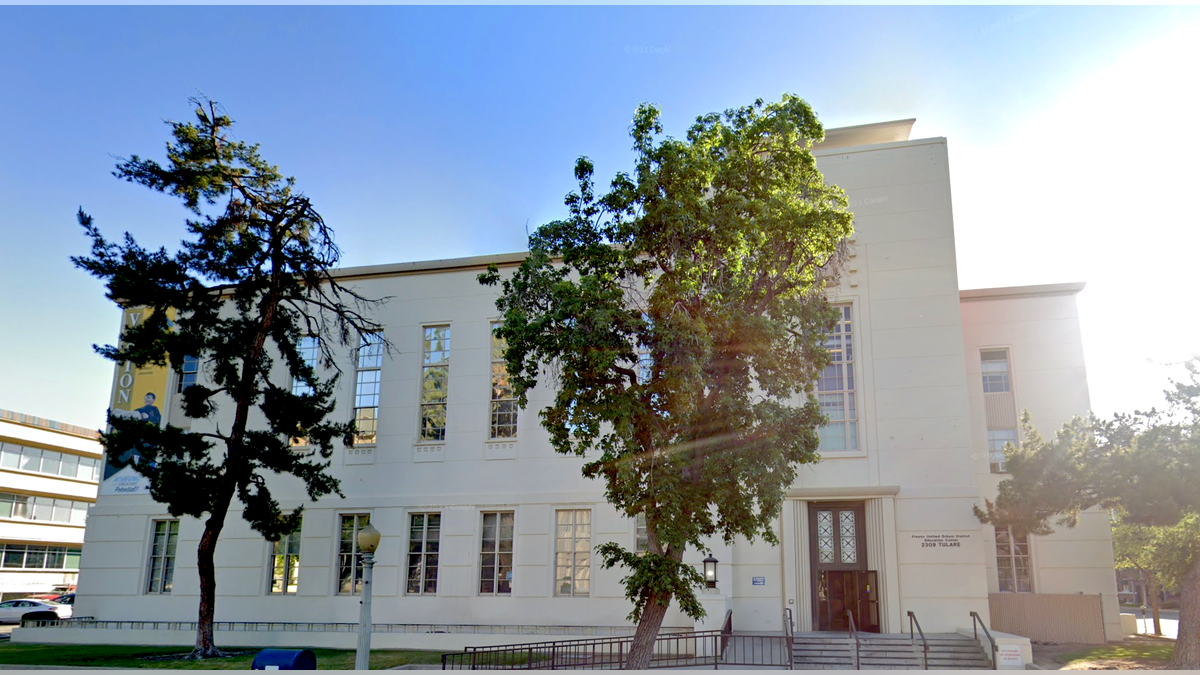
(137, 393)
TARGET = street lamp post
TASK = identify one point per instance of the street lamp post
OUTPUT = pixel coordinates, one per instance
(368, 541)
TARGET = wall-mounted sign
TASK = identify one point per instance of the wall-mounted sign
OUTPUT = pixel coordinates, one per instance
(758, 581)
(942, 540)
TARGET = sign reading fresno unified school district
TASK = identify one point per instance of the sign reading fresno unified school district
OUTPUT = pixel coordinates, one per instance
(938, 541)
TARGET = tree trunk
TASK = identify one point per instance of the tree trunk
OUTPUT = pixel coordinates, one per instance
(1155, 598)
(642, 647)
(206, 646)
(1187, 643)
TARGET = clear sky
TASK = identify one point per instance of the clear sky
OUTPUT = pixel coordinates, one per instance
(426, 133)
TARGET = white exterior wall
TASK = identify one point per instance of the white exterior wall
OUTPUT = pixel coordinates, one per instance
(22, 430)
(1039, 326)
(917, 465)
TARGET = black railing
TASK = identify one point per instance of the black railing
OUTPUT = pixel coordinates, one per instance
(853, 638)
(976, 624)
(789, 635)
(698, 649)
(912, 621)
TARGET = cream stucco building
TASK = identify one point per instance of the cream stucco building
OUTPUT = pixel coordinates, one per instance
(48, 477)
(474, 505)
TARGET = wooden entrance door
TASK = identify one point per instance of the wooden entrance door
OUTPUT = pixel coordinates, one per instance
(840, 578)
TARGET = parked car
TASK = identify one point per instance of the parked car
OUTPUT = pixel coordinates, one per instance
(12, 610)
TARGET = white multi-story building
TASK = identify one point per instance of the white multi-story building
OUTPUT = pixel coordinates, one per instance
(49, 472)
(474, 506)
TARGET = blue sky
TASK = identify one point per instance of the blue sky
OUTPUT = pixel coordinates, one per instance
(440, 132)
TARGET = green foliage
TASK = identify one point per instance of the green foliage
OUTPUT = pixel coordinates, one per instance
(707, 267)
(1144, 465)
(240, 294)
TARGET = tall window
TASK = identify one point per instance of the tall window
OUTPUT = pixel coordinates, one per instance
(573, 553)
(366, 388)
(435, 382)
(997, 439)
(350, 566)
(188, 373)
(1013, 562)
(835, 388)
(996, 377)
(641, 542)
(162, 556)
(285, 563)
(423, 538)
(504, 403)
(495, 554)
(309, 347)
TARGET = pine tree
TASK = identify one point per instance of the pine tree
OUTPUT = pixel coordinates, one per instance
(252, 281)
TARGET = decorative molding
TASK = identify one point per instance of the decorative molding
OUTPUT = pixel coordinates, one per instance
(427, 453)
(500, 450)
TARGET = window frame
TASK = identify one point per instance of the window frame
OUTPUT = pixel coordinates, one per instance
(428, 366)
(290, 573)
(497, 347)
(641, 534)
(164, 563)
(189, 373)
(996, 378)
(423, 554)
(1012, 557)
(574, 552)
(997, 461)
(844, 355)
(356, 565)
(496, 551)
(376, 368)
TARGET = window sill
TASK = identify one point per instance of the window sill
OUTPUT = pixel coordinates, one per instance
(429, 443)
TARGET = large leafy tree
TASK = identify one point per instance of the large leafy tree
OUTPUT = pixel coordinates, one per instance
(1146, 465)
(1142, 548)
(683, 314)
(240, 294)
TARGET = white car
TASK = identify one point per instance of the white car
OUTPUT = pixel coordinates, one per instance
(11, 611)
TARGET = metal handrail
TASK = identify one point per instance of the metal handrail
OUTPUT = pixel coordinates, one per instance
(853, 638)
(726, 631)
(789, 634)
(976, 624)
(912, 620)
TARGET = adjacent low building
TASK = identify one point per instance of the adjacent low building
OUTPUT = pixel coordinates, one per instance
(485, 526)
(49, 473)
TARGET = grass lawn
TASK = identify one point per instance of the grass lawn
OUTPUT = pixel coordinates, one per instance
(122, 656)
(1126, 656)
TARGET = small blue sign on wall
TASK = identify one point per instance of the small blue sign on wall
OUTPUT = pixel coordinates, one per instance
(759, 581)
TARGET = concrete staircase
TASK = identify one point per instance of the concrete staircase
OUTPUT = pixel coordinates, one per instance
(886, 651)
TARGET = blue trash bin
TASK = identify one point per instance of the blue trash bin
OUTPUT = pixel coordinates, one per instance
(285, 659)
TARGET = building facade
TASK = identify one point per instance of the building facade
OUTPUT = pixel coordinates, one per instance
(49, 472)
(483, 524)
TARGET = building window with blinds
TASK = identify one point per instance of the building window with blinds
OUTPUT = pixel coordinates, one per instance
(835, 388)
(435, 382)
(496, 554)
